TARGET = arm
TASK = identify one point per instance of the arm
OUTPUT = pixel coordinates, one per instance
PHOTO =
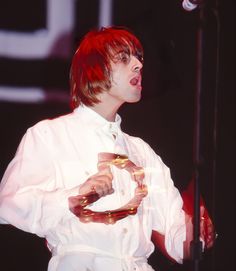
(207, 234)
(171, 228)
(30, 196)
(207, 231)
(168, 226)
(159, 241)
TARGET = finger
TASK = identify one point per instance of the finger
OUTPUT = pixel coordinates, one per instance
(104, 179)
(141, 191)
(202, 211)
(103, 189)
(105, 176)
(107, 186)
(103, 165)
(102, 184)
(104, 169)
(210, 241)
(137, 174)
(90, 184)
(209, 234)
(202, 229)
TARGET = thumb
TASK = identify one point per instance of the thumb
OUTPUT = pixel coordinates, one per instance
(202, 211)
(104, 169)
(104, 166)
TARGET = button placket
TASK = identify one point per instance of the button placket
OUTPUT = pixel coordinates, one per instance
(113, 129)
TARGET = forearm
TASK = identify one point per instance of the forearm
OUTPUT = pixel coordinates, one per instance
(35, 210)
(159, 242)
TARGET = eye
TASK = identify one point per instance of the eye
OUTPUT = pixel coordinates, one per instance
(124, 57)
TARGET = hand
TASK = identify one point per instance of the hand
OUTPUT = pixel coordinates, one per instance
(101, 182)
(207, 231)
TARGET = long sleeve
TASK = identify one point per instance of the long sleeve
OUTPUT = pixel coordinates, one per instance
(168, 216)
(30, 197)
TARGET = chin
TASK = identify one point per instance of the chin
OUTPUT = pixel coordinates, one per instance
(134, 100)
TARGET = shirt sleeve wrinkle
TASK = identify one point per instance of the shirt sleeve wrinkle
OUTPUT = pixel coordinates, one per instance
(168, 217)
(28, 195)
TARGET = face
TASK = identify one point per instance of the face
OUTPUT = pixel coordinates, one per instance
(126, 81)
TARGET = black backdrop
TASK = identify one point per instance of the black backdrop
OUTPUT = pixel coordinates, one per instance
(164, 118)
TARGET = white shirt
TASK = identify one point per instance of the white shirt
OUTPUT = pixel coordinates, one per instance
(53, 159)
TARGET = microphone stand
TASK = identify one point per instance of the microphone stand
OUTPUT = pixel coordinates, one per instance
(196, 244)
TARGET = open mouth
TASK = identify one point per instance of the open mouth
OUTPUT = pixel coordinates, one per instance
(136, 81)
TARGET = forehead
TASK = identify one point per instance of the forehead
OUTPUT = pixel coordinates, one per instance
(124, 43)
(117, 50)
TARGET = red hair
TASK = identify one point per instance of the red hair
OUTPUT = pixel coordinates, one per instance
(90, 71)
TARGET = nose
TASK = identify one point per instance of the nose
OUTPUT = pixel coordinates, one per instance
(136, 64)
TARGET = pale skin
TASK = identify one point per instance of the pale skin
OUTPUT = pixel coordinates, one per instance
(123, 90)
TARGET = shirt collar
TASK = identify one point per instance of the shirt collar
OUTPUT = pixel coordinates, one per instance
(96, 121)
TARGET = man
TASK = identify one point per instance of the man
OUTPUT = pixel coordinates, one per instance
(95, 193)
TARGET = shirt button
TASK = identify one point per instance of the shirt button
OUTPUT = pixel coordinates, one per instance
(111, 128)
(125, 230)
(122, 192)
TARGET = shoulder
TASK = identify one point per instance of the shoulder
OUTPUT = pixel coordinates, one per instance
(134, 139)
(138, 143)
(140, 146)
(54, 123)
(49, 130)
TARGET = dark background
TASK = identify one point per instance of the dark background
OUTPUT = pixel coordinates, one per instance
(164, 117)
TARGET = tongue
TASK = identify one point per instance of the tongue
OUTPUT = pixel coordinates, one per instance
(134, 81)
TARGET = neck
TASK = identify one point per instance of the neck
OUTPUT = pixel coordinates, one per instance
(106, 112)
(107, 108)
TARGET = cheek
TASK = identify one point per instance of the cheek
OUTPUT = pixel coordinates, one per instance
(122, 78)
(118, 76)
(117, 80)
